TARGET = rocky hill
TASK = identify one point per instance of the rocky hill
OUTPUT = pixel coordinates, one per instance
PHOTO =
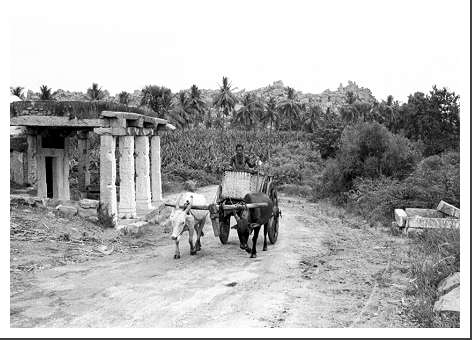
(332, 99)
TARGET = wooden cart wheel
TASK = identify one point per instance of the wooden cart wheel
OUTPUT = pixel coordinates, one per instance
(273, 231)
(224, 229)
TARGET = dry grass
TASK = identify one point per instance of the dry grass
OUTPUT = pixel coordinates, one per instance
(434, 255)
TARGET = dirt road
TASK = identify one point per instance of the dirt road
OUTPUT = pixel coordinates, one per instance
(324, 271)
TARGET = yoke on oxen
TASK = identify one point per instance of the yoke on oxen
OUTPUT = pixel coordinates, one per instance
(229, 201)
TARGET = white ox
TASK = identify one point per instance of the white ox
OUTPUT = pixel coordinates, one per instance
(188, 220)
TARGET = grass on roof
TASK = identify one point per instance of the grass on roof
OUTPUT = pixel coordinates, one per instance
(75, 109)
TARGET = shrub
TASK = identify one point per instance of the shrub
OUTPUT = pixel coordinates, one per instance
(400, 157)
(435, 178)
(330, 182)
(368, 150)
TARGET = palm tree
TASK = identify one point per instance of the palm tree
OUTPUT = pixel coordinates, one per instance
(45, 93)
(312, 117)
(388, 111)
(18, 91)
(124, 97)
(180, 113)
(247, 113)
(95, 92)
(158, 98)
(225, 100)
(271, 114)
(290, 107)
(196, 104)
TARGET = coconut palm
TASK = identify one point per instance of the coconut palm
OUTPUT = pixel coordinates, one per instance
(312, 117)
(357, 111)
(95, 92)
(248, 113)
(225, 99)
(124, 98)
(18, 91)
(271, 114)
(290, 107)
(389, 113)
(158, 98)
(196, 104)
(45, 93)
(180, 114)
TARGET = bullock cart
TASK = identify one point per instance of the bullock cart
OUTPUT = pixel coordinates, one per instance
(229, 200)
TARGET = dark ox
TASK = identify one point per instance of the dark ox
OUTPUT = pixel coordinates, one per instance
(249, 220)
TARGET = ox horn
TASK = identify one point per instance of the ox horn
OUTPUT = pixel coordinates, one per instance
(177, 201)
(189, 206)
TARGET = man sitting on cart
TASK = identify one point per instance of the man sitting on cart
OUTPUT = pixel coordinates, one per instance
(240, 161)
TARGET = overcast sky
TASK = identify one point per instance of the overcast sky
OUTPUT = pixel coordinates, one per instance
(392, 47)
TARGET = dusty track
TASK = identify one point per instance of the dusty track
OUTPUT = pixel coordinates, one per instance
(324, 271)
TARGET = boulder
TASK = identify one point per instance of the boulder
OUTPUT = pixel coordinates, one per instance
(88, 203)
(66, 210)
(135, 229)
(449, 282)
(433, 223)
(52, 202)
(93, 219)
(87, 212)
(449, 302)
(448, 209)
(24, 200)
(424, 212)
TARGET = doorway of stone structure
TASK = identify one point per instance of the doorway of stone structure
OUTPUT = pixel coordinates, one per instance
(49, 177)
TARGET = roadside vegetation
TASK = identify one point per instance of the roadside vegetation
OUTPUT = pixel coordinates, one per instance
(367, 156)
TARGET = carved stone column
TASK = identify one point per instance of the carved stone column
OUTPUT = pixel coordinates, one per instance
(84, 161)
(156, 181)
(31, 153)
(64, 194)
(108, 177)
(143, 180)
(127, 205)
(41, 169)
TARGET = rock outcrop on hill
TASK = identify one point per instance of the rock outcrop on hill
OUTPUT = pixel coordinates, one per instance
(332, 99)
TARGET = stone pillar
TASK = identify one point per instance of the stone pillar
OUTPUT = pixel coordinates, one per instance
(156, 182)
(31, 153)
(127, 206)
(108, 178)
(58, 175)
(17, 160)
(143, 181)
(41, 170)
(64, 194)
(84, 161)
